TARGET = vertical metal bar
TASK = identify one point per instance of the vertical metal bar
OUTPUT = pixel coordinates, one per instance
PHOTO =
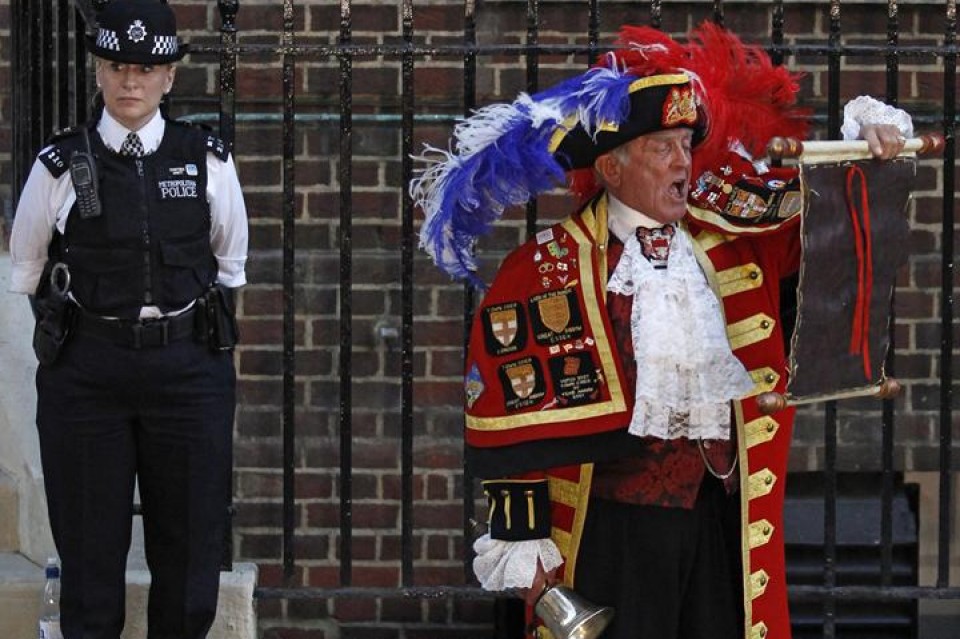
(19, 74)
(228, 69)
(35, 129)
(833, 72)
(946, 294)
(289, 281)
(48, 82)
(886, 446)
(346, 301)
(62, 65)
(406, 303)
(228, 96)
(776, 32)
(469, 299)
(81, 97)
(893, 58)
(830, 517)
(830, 412)
(718, 12)
(656, 13)
(593, 32)
(533, 72)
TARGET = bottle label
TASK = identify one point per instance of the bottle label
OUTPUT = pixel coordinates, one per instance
(50, 629)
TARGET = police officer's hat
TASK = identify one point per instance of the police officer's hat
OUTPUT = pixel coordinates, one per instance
(137, 32)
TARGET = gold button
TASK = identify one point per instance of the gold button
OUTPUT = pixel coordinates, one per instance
(766, 530)
(754, 275)
(765, 324)
(768, 480)
(763, 580)
(769, 377)
(771, 427)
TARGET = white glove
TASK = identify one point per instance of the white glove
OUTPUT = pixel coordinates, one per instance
(500, 565)
(866, 110)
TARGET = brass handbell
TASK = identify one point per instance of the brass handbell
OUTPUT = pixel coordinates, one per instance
(569, 616)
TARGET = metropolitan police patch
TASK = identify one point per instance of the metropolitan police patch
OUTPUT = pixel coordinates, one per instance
(177, 189)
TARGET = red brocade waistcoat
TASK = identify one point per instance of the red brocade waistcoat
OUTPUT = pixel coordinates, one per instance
(548, 399)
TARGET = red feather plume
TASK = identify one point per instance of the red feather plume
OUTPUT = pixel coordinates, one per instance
(745, 96)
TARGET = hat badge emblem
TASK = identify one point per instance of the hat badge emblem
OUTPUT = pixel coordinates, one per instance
(137, 31)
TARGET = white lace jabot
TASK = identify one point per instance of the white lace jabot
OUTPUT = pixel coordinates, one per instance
(686, 373)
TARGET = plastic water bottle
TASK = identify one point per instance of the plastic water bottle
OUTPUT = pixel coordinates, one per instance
(49, 624)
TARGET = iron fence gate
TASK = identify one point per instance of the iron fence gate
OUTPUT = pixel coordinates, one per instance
(52, 87)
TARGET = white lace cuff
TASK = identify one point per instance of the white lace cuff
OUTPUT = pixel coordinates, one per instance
(866, 110)
(500, 565)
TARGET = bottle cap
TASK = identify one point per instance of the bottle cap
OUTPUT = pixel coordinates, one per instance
(52, 570)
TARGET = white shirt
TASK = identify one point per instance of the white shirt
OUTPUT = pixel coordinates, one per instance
(46, 201)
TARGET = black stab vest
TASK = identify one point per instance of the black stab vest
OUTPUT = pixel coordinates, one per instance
(151, 244)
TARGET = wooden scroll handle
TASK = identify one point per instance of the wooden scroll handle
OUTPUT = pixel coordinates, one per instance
(779, 148)
(771, 402)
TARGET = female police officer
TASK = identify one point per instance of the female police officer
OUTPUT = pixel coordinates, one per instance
(147, 217)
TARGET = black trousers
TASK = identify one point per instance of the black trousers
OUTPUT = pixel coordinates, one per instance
(669, 573)
(110, 416)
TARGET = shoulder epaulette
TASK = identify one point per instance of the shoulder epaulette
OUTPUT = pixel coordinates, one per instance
(213, 143)
(218, 147)
(56, 154)
(192, 124)
(61, 134)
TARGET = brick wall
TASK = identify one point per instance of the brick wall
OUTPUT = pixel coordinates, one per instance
(377, 188)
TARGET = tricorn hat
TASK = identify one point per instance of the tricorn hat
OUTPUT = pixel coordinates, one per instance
(137, 32)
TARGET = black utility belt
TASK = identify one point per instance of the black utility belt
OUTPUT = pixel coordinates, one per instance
(136, 334)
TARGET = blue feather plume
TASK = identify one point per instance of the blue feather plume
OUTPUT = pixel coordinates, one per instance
(502, 158)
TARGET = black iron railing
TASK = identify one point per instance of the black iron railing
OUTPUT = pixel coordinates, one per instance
(52, 88)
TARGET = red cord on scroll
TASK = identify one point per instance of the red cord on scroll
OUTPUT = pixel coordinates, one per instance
(859, 337)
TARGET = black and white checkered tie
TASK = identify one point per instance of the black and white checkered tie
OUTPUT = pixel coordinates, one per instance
(132, 146)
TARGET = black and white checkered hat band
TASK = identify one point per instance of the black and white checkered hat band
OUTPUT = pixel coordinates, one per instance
(107, 39)
(164, 45)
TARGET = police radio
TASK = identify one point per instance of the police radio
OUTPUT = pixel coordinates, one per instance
(83, 173)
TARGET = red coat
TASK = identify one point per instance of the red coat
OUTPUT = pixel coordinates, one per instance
(547, 391)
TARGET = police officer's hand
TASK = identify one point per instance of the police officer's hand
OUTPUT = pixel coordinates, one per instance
(885, 140)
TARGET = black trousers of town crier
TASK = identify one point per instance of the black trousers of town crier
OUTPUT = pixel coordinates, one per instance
(669, 573)
(108, 417)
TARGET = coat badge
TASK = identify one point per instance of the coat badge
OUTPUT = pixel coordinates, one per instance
(554, 312)
(473, 385)
(503, 325)
(523, 383)
(504, 328)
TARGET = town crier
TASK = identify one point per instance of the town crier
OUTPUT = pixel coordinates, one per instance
(613, 361)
